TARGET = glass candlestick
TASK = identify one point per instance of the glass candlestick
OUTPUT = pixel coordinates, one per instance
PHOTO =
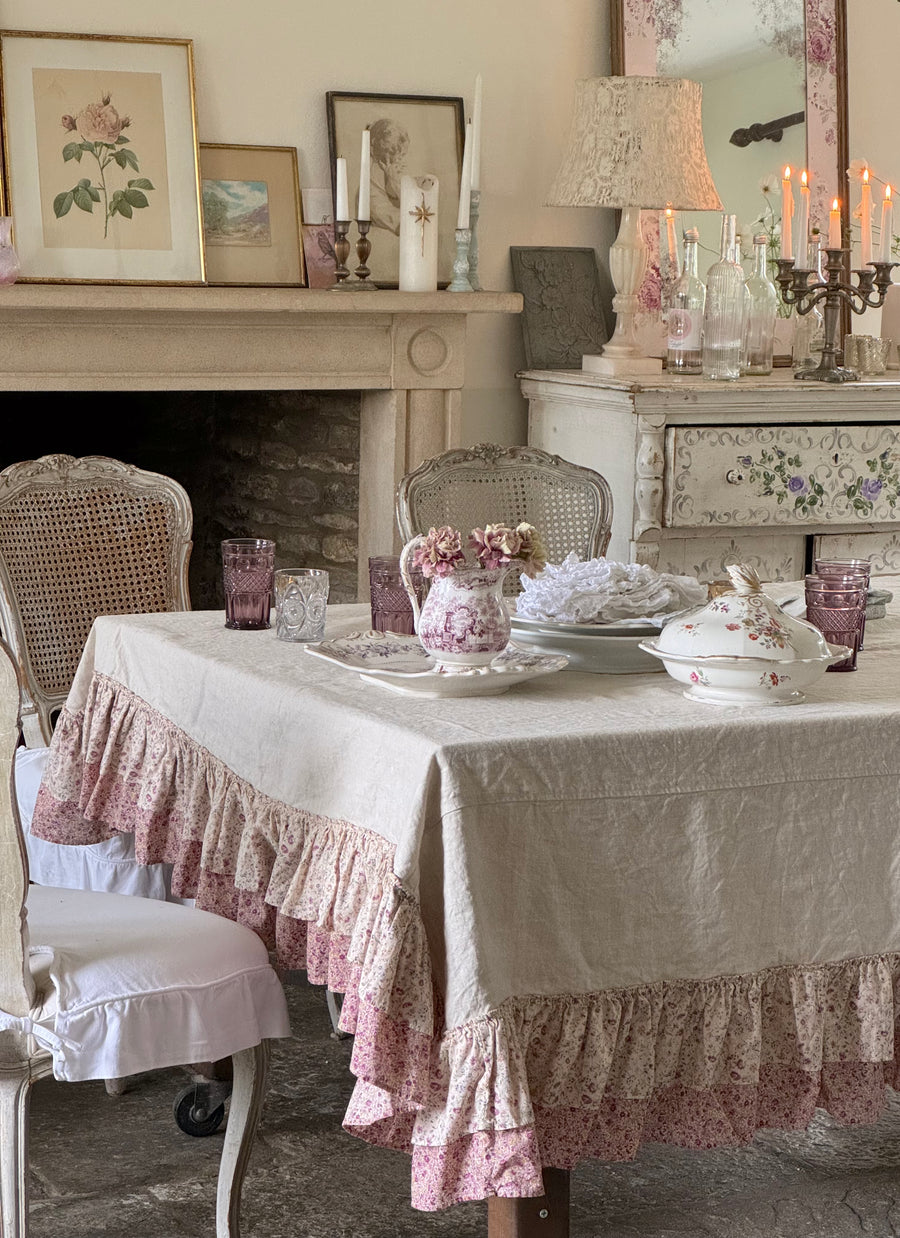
(460, 281)
(474, 207)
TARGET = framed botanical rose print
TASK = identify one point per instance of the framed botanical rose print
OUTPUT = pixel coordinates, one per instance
(100, 167)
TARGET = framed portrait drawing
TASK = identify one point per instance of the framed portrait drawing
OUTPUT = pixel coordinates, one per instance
(251, 214)
(100, 169)
(410, 135)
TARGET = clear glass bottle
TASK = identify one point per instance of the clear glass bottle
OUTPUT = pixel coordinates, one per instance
(809, 329)
(723, 320)
(685, 317)
(762, 309)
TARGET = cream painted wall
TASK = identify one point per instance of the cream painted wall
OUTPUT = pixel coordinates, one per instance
(261, 75)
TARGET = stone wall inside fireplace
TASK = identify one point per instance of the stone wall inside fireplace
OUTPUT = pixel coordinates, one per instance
(279, 464)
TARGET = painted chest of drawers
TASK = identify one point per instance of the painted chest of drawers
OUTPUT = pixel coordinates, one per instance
(767, 471)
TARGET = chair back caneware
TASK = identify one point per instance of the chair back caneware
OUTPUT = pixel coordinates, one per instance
(16, 989)
(81, 538)
(569, 505)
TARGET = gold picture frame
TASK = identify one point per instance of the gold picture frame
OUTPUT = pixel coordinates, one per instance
(101, 170)
(252, 216)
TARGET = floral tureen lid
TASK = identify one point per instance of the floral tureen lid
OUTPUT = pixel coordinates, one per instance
(745, 623)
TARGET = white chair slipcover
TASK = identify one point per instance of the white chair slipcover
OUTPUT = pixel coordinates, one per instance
(99, 986)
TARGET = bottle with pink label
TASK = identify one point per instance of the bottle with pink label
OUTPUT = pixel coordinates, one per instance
(685, 318)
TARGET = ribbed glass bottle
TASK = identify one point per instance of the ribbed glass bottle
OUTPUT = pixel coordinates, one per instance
(723, 320)
(809, 329)
(685, 318)
(762, 309)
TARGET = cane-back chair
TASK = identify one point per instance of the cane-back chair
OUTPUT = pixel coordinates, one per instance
(81, 538)
(568, 504)
(78, 539)
(101, 985)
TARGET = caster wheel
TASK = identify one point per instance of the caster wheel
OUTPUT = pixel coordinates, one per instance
(193, 1117)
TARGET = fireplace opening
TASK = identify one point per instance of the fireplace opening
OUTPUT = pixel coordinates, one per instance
(276, 464)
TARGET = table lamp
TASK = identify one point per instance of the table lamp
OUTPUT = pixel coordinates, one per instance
(636, 143)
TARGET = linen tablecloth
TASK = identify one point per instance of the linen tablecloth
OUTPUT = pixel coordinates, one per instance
(568, 919)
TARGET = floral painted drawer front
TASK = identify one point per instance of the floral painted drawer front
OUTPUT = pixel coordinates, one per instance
(782, 475)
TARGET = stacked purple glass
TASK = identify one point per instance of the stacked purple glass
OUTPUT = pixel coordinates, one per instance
(836, 596)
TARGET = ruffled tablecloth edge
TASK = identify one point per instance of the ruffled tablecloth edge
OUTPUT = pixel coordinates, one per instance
(542, 1080)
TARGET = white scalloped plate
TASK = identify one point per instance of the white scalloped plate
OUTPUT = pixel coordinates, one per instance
(402, 665)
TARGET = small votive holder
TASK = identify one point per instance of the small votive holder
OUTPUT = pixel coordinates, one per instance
(867, 354)
(301, 596)
(390, 603)
(248, 564)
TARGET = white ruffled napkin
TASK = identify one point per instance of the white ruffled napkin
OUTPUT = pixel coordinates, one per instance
(600, 591)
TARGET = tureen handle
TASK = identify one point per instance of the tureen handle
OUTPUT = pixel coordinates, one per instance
(744, 578)
(405, 555)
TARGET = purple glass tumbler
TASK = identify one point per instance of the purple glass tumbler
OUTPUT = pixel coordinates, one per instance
(837, 607)
(248, 570)
(391, 608)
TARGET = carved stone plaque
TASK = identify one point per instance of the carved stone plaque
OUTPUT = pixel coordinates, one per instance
(563, 311)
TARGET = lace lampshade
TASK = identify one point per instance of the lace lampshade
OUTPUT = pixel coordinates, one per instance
(635, 142)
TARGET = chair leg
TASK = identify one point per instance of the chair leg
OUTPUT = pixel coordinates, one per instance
(248, 1090)
(334, 1005)
(15, 1085)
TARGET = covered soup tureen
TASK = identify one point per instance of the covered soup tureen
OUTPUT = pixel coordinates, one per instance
(743, 649)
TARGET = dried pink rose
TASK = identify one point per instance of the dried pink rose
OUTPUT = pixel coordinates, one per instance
(495, 544)
(531, 549)
(439, 552)
(68, 123)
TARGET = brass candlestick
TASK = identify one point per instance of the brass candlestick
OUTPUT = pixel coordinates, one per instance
(363, 249)
(341, 252)
(796, 290)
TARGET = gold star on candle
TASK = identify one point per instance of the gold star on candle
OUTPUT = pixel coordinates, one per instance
(422, 215)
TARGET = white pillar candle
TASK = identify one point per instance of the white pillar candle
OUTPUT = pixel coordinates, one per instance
(465, 181)
(865, 221)
(834, 225)
(365, 176)
(341, 209)
(787, 212)
(887, 225)
(803, 220)
(418, 233)
(672, 245)
(476, 136)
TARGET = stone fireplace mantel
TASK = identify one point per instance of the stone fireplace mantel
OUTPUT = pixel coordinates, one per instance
(404, 350)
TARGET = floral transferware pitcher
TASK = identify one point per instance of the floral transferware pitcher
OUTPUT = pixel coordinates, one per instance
(463, 622)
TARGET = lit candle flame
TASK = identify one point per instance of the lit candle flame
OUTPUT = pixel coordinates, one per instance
(803, 178)
(835, 204)
(669, 212)
(887, 192)
(787, 172)
(865, 176)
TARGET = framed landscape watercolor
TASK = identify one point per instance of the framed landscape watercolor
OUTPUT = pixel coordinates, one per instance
(251, 214)
(100, 158)
(409, 135)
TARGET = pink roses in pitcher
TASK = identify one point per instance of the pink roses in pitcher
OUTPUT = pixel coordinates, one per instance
(495, 546)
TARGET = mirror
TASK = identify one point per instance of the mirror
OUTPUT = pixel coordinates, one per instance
(774, 93)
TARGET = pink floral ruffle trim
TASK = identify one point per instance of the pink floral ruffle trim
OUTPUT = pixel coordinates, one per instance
(540, 1080)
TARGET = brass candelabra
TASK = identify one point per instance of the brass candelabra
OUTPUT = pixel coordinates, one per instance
(872, 283)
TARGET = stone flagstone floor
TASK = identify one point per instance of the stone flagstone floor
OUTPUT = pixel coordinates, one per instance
(105, 1167)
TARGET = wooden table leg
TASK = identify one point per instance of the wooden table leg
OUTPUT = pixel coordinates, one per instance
(546, 1216)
